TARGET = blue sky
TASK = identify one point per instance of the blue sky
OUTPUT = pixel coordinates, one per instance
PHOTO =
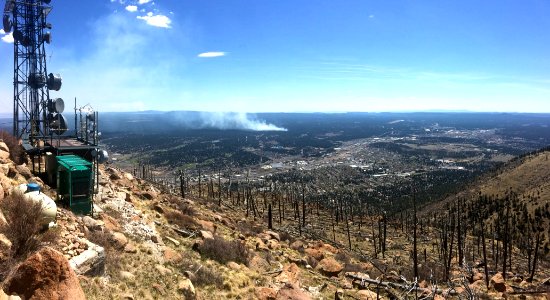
(298, 55)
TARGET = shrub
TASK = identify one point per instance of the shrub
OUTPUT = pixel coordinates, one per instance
(224, 251)
(17, 154)
(203, 275)
(285, 236)
(112, 254)
(23, 229)
(180, 219)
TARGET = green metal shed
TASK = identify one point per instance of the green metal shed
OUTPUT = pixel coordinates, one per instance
(75, 183)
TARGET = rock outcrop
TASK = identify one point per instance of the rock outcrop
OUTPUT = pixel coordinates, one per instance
(45, 275)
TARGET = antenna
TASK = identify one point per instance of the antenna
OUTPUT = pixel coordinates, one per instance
(35, 115)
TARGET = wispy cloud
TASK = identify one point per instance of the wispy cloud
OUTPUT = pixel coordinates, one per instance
(156, 20)
(7, 38)
(211, 54)
(131, 8)
(144, 1)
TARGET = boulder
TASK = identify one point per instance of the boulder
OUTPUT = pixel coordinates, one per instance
(4, 147)
(265, 293)
(498, 283)
(92, 224)
(297, 245)
(274, 235)
(4, 169)
(186, 287)
(207, 225)
(259, 264)
(4, 151)
(119, 239)
(290, 275)
(315, 253)
(330, 267)
(45, 275)
(90, 262)
(3, 296)
(128, 176)
(24, 171)
(292, 293)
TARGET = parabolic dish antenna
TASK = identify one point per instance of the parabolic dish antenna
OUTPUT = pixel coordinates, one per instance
(54, 82)
(58, 124)
(56, 105)
(101, 154)
(8, 10)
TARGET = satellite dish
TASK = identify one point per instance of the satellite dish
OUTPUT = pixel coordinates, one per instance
(18, 36)
(58, 124)
(7, 23)
(102, 156)
(56, 105)
(54, 82)
(36, 80)
(47, 37)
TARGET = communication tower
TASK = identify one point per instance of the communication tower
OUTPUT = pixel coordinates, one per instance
(35, 115)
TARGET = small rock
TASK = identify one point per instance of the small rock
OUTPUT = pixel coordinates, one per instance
(155, 239)
(119, 239)
(233, 266)
(5, 244)
(174, 241)
(130, 248)
(163, 270)
(125, 275)
(127, 297)
(205, 234)
(172, 256)
(187, 289)
(265, 293)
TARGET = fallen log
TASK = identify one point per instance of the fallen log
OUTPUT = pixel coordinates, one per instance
(364, 278)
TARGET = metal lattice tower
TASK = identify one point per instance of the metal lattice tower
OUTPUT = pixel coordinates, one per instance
(33, 116)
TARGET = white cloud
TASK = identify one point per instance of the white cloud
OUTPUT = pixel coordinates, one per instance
(211, 54)
(144, 1)
(8, 38)
(156, 20)
(131, 8)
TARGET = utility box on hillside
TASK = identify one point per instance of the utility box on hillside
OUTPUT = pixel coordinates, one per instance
(75, 183)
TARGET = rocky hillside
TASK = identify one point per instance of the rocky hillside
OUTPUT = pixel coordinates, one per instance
(146, 243)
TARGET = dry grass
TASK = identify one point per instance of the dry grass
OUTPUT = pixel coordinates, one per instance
(112, 254)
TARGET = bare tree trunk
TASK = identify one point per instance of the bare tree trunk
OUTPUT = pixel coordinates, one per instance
(484, 255)
(537, 244)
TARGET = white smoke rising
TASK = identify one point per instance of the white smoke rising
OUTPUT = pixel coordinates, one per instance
(231, 120)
